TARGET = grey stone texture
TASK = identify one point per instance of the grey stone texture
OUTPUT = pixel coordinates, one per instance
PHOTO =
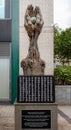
(63, 94)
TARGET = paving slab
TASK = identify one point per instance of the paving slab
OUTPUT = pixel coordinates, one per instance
(65, 109)
(63, 124)
(7, 117)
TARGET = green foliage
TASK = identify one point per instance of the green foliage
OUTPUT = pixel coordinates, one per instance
(65, 45)
(62, 44)
(63, 75)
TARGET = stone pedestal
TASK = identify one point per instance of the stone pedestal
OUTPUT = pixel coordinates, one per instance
(46, 114)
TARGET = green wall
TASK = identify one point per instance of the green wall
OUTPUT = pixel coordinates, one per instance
(14, 47)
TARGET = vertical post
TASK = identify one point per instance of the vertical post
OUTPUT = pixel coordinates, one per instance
(15, 46)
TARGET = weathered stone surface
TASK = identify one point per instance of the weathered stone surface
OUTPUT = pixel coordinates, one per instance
(45, 40)
(36, 106)
(63, 94)
(33, 64)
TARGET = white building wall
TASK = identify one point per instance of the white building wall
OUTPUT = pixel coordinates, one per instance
(45, 41)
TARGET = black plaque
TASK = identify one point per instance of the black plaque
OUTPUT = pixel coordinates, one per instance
(36, 119)
(36, 89)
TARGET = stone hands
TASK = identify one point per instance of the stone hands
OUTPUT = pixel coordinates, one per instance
(33, 21)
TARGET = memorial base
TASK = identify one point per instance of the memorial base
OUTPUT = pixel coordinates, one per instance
(35, 116)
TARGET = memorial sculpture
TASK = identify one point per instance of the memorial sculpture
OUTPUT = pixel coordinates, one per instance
(35, 107)
(34, 86)
(33, 64)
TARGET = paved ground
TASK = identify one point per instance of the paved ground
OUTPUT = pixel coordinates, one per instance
(64, 117)
(7, 117)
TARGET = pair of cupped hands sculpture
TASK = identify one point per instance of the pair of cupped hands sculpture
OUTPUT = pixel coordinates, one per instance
(33, 21)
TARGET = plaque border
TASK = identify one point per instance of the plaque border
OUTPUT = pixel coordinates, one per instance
(53, 89)
(36, 127)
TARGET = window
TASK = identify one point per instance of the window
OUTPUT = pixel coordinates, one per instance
(2, 9)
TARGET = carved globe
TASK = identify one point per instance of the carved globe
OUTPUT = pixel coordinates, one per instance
(33, 20)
